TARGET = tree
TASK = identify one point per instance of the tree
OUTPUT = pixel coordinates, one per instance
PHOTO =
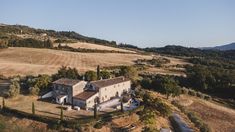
(33, 108)
(129, 72)
(98, 72)
(66, 72)
(43, 82)
(105, 74)
(14, 89)
(166, 85)
(146, 83)
(3, 44)
(95, 111)
(61, 114)
(122, 110)
(48, 44)
(59, 46)
(90, 76)
(3, 103)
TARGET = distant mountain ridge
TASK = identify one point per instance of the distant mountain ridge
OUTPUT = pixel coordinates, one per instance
(230, 46)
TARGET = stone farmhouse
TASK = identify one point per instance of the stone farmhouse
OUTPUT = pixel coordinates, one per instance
(85, 94)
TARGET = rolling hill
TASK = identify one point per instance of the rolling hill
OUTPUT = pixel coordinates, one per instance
(225, 47)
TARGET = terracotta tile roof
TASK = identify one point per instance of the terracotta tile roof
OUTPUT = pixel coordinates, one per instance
(66, 81)
(108, 82)
(85, 95)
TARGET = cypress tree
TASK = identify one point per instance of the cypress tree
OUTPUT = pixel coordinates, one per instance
(122, 110)
(61, 114)
(3, 103)
(95, 111)
(98, 72)
(33, 108)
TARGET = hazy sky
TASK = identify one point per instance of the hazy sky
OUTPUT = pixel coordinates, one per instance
(146, 23)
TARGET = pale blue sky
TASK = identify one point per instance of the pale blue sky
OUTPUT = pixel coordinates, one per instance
(145, 23)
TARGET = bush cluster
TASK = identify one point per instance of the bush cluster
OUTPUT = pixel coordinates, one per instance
(198, 122)
(98, 125)
(194, 93)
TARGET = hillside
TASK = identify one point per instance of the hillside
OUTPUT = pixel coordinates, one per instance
(24, 36)
(85, 45)
(225, 47)
(6, 30)
(175, 50)
(24, 61)
(33, 61)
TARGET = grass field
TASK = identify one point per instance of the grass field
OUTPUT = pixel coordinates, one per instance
(84, 45)
(14, 124)
(32, 61)
(219, 118)
(44, 108)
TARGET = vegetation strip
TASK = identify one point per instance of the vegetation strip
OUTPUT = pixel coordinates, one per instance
(203, 127)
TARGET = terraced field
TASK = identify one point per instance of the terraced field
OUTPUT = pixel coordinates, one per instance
(32, 61)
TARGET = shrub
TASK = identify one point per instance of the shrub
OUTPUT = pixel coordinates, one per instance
(162, 108)
(184, 91)
(2, 126)
(34, 90)
(200, 95)
(148, 116)
(98, 125)
(207, 97)
(75, 125)
(14, 89)
(179, 106)
(205, 128)
(192, 92)
(198, 122)
(149, 129)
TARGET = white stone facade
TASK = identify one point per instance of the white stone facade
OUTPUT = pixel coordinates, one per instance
(115, 90)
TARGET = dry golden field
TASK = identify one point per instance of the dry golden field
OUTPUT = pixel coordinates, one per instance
(32, 61)
(84, 45)
(219, 118)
